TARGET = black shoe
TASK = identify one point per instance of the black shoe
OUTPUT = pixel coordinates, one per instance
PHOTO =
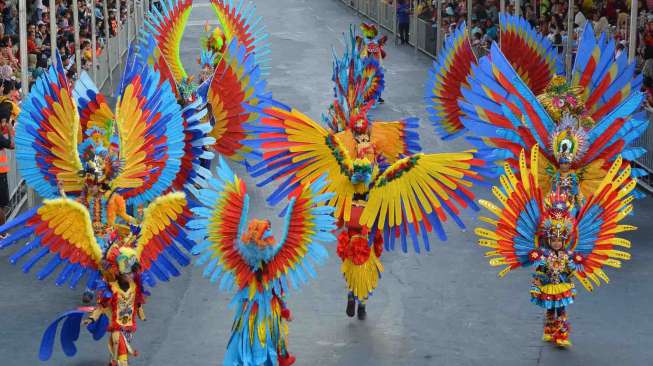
(362, 314)
(381, 101)
(87, 297)
(351, 306)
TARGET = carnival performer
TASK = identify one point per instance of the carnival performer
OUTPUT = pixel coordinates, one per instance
(515, 98)
(552, 287)
(385, 191)
(123, 304)
(233, 58)
(535, 228)
(130, 157)
(371, 46)
(247, 257)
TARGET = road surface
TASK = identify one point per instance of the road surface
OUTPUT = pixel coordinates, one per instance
(446, 307)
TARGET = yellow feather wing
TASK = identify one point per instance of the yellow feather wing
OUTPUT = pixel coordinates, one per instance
(394, 139)
(67, 224)
(159, 227)
(418, 193)
(596, 243)
(299, 150)
(47, 134)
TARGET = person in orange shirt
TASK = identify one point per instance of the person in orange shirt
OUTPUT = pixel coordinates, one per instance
(6, 143)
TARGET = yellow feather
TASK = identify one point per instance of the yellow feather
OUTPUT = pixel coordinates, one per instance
(488, 243)
(490, 207)
(158, 215)
(61, 214)
(619, 242)
(497, 262)
(593, 277)
(599, 273)
(500, 196)
(505, 183)
(626, 191)
(612, 172)
(504, 271)
(613, 253)
(623, 213)
(621, 229)
(587, 284)
(489, 220)
(612, 263)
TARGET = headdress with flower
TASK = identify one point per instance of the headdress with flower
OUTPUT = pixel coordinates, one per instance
(561, 98)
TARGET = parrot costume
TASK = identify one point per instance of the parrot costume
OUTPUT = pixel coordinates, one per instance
(536, 227)
(386, 192)
(89, 164)
(242, 254)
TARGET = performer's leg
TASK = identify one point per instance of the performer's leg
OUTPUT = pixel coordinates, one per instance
(113, 349)
(351, 305)
(562, 333)
(284, 357)
(362, 313)
(549, 325)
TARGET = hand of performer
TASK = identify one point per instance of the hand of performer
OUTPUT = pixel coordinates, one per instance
(88, 321)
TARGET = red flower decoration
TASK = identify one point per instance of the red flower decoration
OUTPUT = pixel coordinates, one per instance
(343, 249)
(534, 255)
(360, 250)
(578, 258)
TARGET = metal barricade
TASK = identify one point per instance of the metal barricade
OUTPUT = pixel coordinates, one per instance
(386, 15)
(17, 187)
(373, 9)
(646, 161)
(118, 47)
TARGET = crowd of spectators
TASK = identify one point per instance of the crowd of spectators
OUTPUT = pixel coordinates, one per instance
(549, 17)
(38, 37)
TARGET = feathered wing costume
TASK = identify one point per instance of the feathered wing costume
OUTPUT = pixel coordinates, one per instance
(532, 227)
(89, 163)
(385, 192)
(235, 51)
(513, 103)
(244, 255)
(531, 55)
(239, 22)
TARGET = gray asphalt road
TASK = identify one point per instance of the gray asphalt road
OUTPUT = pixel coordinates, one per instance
(443, 308)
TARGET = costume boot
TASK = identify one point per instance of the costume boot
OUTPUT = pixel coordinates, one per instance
(362, 314)
(549, 326)
(561, 336)
(351, 305)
